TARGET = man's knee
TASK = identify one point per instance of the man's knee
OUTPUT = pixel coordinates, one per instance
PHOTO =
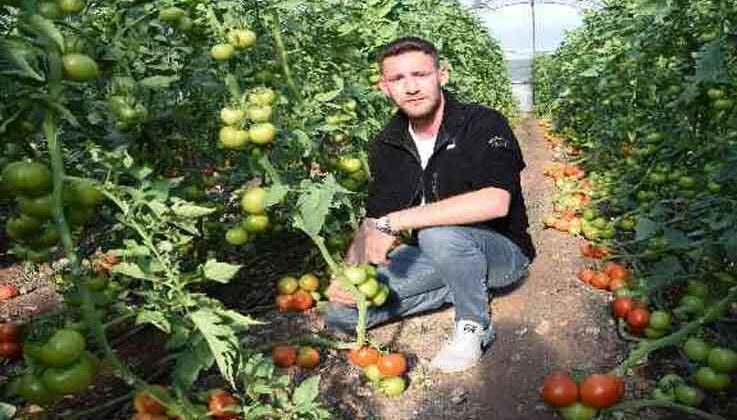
(443, 241)
(341, 317)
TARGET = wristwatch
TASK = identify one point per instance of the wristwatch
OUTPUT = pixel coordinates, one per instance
(384, 226)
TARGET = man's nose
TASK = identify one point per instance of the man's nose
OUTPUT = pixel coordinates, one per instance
(410, 85)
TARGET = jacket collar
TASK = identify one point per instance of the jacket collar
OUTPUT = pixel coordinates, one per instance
(397, 130)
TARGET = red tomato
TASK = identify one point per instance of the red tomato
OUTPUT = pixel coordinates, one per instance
(638, 318)
(364, 356)
(284, 356)
(302, 300)
(11, 351)
(308, 357)
(146, 403)
(586, 274)
(601, 390)
(393, 364)
(8, 291)
(600, 281)
(9, 332)
(284, 302)
(219, 404)
(622, 306)
(559, 389)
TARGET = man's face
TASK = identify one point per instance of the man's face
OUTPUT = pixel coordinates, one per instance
(413, 83)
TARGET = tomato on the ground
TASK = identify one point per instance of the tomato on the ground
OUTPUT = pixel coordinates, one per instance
(559, 389)
(308, 357)
(393, 364)
(363, 357)
(222, 405)
(284, 356)
(601, 390)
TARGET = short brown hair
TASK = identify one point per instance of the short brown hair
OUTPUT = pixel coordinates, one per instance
(407, 44)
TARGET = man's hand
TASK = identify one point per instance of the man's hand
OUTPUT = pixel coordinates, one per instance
(337, 294)
(369, 245)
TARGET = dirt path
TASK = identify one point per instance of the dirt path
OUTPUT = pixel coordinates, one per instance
(549, 322)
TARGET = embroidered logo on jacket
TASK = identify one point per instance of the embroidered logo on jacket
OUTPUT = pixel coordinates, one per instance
(498, 143)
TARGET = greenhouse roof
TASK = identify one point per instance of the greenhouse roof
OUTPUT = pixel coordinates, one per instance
(498, 4)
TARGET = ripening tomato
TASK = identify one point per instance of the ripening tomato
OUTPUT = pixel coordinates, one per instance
(638, 318)
(393, 364)
(309, 282)
(284, 356)
(259, 113)
(222, 52)
(10, 350)
(284, 303)
(601, 390)
(236, 236)
(70, 6)
(308, 357)
(559, 389)
(79, 67)
(302, 300)
(586, 274)
(145, 402)
(600, 280)
(9, 332)
(287, 285)
(262, 133)
(364, 356)
(222, 405)
(392, 386)
(232, 138)
(253, 200)
(8, 291)
(242, 38)
(231, 116)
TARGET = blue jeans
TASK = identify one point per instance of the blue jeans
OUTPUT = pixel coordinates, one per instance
(451, 264)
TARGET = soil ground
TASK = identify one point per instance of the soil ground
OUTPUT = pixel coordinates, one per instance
(550, 321)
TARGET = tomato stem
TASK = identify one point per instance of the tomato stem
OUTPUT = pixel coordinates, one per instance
(640, 404)
(281, 50)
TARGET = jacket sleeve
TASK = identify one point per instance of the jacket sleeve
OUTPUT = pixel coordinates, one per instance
(498, 159)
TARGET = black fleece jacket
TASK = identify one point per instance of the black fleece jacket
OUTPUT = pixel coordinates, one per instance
(475, 149)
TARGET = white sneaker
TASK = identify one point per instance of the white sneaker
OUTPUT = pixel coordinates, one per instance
(464, 349)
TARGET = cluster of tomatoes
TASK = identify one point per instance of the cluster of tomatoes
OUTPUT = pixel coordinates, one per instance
(33, 229)
(237, 39)
(286, 356)
(124, 104)
(60, 366)
(221, 405)
(712, 365)
(612, 276)
(385, 371)
(10, 346)
(254, 107)
(582, 401)
(297, 294)
(256, 220)
(363, 277)
(351, 173)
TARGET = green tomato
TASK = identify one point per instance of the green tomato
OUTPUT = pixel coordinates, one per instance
(83, 194)
(262, 96)
(171, 14)
(715, 93)
(49, 236)
(253, 200)
(688, 395)
(232, 138)
(222, 52)
(696, 349)
(577, 411)
(236, 236)
(231, 116)
(262, 133)
(659, 320)
(63, 348)
(670, 381)
(369, 288)
(242, 38)
(393, 387)
(349, 165)
(33, 390)
(71, 6)
(711, 380)
(692, 304)
(256, 223)
(22, 228)
(372, 373)
(259, 113)
(79, 67)
(27, 178)
(38, 207)
(355, 274)
(381, 296)
(185, 24)
(698, 289)
(664, 395)
(70, 380)
(722, 360)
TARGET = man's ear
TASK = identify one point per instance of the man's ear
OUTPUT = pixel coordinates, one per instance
(383, 85)
(444, 74)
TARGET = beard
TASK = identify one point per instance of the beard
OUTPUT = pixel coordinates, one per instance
(423, 110)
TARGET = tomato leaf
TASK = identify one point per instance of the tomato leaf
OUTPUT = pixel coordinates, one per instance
(219, 271)
(190, 211)
(154, 318)
(275, 194)
(314, 204)
(158, 82)
(222, 341)
(307, 391)
(646, 228)
(130, 270)
(19, 55)
(195, 358)
(47, 30)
